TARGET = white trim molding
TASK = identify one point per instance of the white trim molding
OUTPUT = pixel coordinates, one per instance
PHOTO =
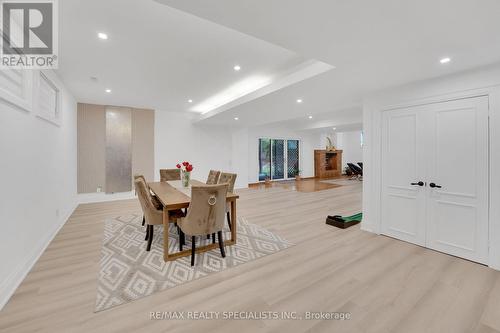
(23, 100)
(52, 82)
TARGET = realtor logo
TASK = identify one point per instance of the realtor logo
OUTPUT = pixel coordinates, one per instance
(29, 34)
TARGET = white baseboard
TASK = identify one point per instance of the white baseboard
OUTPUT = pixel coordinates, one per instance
(9, 285)
(366, 226)
(12, 282)
(103, 197)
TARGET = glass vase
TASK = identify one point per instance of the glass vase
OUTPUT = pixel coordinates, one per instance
(186, 177)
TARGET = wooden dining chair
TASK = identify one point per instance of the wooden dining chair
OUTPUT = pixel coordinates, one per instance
(213, 177)
(230, 180)
(152, 214)
(205, 215)
(170, 174)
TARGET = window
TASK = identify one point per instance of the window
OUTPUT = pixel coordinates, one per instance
(264, 159)
(278, 158)
(292, 161)
(48, 100)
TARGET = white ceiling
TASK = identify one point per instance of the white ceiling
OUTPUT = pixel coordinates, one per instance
(158, 57)
(372, 44)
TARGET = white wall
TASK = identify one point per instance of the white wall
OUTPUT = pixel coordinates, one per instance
(350, 143)
(38, 166)
(178, 139)
(239, 157)
(483, 81)
(309, 140)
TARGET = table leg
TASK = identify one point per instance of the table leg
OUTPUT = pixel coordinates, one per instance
(234, 221)
(166, 219)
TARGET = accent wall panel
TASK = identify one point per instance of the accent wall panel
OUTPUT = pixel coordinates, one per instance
(91, 147)
(118, 149)
(143, 143)
(111, 150)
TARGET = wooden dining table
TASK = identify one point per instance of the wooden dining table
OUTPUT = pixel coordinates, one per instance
(174, 196)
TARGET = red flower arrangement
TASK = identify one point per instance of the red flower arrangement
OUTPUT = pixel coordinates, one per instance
(186, 167)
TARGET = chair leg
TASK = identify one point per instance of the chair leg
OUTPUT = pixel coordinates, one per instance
(143, 220)
(147, 232)
(150, 237)
(193, 249)
(213, 238)
(221, 244)
(181, 236)
(229, 221)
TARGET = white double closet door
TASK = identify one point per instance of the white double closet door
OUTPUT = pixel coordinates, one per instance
(435, 176)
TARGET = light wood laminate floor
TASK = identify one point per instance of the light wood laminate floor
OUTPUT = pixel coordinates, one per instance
(303, 185)
(386, 285)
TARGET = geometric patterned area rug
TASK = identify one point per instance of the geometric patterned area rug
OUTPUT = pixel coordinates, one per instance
(128, 272)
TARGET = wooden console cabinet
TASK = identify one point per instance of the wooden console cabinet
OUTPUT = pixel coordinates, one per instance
(327, 164)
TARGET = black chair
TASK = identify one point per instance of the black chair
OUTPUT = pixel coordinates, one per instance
(360, 165)
(356, 170)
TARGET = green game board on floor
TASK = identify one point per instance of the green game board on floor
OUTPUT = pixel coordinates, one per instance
(344, 222)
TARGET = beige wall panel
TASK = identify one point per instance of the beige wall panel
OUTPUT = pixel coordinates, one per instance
(143, 124)
(91, 147)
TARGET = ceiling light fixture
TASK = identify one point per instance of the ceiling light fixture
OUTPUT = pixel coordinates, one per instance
(237, 67)
(190, 101)
(236, 118)
(335, 128)
(310, 117)
(299, 101)
(108, 90)
(102, 35)
(445, 60)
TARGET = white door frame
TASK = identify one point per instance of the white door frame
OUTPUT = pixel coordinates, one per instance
(372, 130)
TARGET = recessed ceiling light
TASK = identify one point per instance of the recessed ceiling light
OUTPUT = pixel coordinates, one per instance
(108, 90)
(190, 101)
(237, 67)
(445, 60)
(299, 101)
(102, 35)
(236, 118)
(334, 128)
(310, 117)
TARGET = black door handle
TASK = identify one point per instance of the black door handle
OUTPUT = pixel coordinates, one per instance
(432, 185)
(420, 183)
